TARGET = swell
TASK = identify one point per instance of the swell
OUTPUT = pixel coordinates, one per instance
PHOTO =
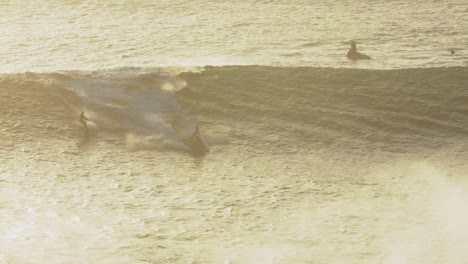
(269, 108)
(349, 108)
(33, 108)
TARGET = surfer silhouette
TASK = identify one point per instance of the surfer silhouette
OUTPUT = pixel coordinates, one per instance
(353, 54)
(452, 52)
(353, 50)
(196, 133)
(194, 137)
(83, 121)
(195, 143)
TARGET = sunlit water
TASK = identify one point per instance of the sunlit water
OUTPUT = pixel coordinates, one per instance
(58, 35)
(313, 158)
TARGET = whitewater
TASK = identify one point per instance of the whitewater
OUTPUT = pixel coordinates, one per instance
(313, 158)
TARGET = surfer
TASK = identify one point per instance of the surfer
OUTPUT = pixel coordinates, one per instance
(194, 137)
(353, 54)
(83, 120)
(452, 52)
(196, 133)
(195, 143)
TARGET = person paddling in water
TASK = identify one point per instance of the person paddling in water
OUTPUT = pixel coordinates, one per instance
(83, 121)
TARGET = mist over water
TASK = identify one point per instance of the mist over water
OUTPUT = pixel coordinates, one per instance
(312, 158)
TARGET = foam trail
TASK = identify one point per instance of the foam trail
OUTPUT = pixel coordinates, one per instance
(139, 104)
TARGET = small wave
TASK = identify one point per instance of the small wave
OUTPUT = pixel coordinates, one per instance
(293, 54)
(309, 44)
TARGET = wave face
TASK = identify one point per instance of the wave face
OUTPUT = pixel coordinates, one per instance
(269, 108)
(397, 110)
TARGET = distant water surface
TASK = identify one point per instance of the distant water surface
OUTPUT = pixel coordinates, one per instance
(57, 35)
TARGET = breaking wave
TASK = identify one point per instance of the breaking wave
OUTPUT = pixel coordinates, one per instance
(276, 107)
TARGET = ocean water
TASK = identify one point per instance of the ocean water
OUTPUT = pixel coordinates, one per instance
(313, 158)
(89, 35)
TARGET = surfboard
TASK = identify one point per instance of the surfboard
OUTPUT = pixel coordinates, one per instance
(358, 56)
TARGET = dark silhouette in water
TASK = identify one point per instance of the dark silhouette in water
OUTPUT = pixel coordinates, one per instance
(195, 143)
(452, 52)
(83, 120)
(353, 54)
